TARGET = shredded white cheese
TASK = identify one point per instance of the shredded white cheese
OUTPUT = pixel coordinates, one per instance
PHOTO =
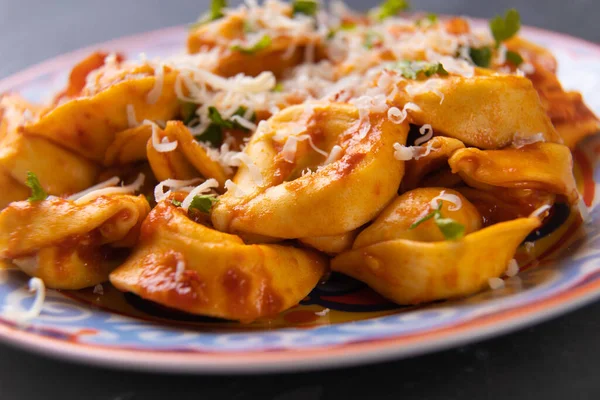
(334, 155)
(520, 140)
(174, 184)
(540, 211)
(512, 269)
(427, 133)
(232, 187)
(163, 146)
(243, 158)
(156, 91)
(323, 312)
(132, 121)
(496, 283)
(451, 198)
(131, 188)
(179, 270)
(204, 187)
(107, 183)
(35, 285)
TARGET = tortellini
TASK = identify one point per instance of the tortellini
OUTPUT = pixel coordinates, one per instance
(291, 204)
(68, 244)
(190, 267)
(415, 266)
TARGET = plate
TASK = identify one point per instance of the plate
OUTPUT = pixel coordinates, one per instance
(342, 322)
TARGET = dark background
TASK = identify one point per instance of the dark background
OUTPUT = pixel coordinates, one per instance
(559, 359)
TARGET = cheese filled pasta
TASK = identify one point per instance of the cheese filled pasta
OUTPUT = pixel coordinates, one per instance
(291, 141)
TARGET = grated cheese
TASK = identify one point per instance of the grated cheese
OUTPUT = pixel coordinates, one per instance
(156, 91)
(132, 188)
(179, 270)
(232, 187)
(427, 133)
(204, 187)
(496, 283)
(162, 146)
(451, 198)
(512, 269)
(35, 285)
(519, 140)
(107, 183)
(243, 158)
(131, 118)
(334, 155)
(174, 184)
(540, 211)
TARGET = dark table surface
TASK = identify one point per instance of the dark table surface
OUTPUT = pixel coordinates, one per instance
(559, 359)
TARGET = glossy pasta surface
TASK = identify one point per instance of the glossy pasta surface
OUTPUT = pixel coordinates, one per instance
(294, 140)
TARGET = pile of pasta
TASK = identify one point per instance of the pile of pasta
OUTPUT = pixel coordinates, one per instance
(410, 152)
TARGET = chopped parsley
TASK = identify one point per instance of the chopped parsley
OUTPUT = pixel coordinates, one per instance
(215, 12)
(412, 69)
(203, 203)
(514, 58)
(390, 8)
(430, 19)
(188, 112)
(503, 28)
(306, 7)
(451, 229)
(214, 133)
(278, 88)
(344, 26)
(372, 39)
(262, 44)
(176, 203)
(37, 191)
(482, 56)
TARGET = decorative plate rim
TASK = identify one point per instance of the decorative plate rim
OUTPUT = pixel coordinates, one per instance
(280, 360)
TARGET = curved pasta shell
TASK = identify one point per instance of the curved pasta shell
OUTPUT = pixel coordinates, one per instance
(331, 244)
(58, 170)
(411, 272)
(221, 276)
(284, 52)
(195, 153)
(541, 166)
(128, 146)
(484, 111)
(62, 241)
(87, 125)
(395, 220)
(169, 164)
(336, 198)
(441, 148)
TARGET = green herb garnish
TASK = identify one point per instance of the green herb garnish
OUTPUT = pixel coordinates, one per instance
(262, 44)
(503, 28)
(176, 203)
(203, 203)
(430, 19)
(188, 112)
(390, 8)
(451, 229)
(214, 133)
(482, 56)
(306, 7)
(215, 12)
(412, 69)
(37, 191)
(278, 88)
(514, 58)
(371, 39)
